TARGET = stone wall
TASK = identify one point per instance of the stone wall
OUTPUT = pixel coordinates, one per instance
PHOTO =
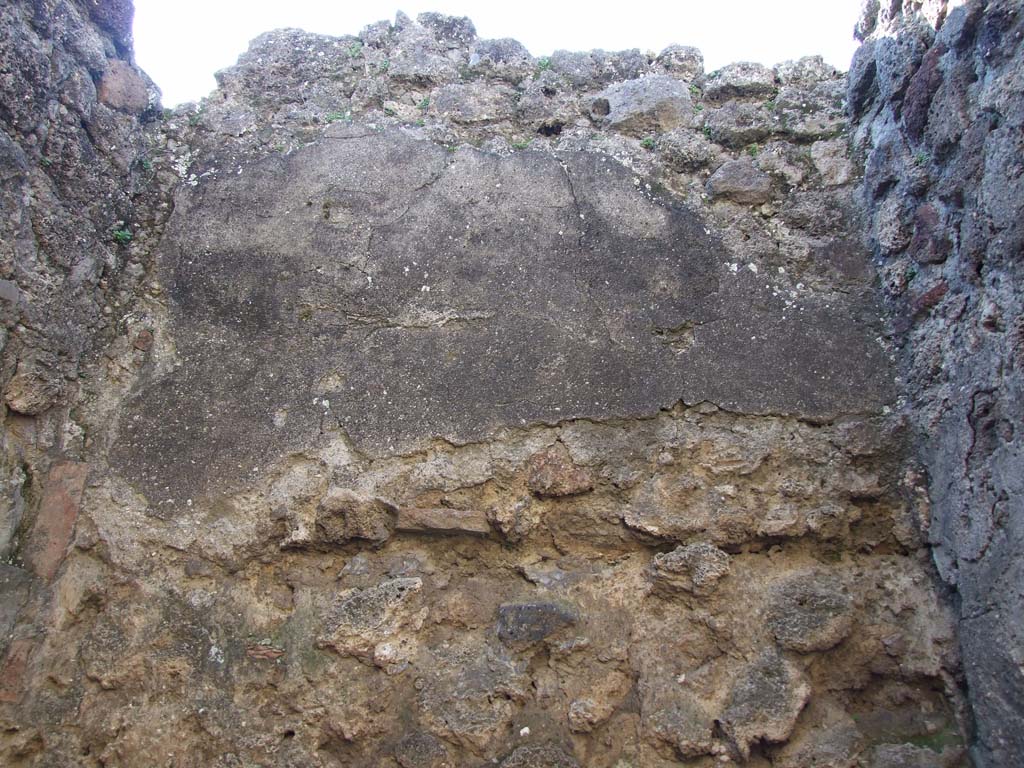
(937, 94)
(74, 166)
(457, 407)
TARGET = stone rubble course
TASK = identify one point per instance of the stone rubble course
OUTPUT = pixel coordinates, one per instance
(414, 402)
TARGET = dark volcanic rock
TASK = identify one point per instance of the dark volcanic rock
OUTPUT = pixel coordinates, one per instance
(943, 122)
(810, 612)
(546, 756)
(764, 702)
(532, 622)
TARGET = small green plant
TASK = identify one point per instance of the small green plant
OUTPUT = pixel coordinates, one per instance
(647, 143)
(770, 104)
(122, 236)
(543, 63)
(921, 158)
(390, 111)
(425, 103)
(521, 144)
(752, 150)
(707, 131)
(451, 148)
(694, 90)
(421, 122)
(45, 162)
(355, 49)
(698, 108)
(911, 274)
(333, 117)
(145, 164)
(384, 65)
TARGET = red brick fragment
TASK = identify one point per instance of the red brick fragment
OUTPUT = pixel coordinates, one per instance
(55, 521)
(265, 652)
(931, 297)
(12, 673)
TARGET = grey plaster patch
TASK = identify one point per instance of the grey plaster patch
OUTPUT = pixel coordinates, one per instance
(379, 285)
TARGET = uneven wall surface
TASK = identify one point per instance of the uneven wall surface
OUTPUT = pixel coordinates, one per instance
(938, 96)
(414, 402)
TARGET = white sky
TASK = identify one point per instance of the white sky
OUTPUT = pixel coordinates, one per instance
(181, 43)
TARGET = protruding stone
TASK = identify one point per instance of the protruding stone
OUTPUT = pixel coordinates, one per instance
(741, 182)
(515, 521)
(832, 161)
(807, 113)
(545, 756)
(679, 719)
(419, 57)
(442, 520)
(682, 61)
(344, 514)
(451, 31)
(694, 568)
(584, 714)
(36, 386)
(805, 71)
(737, 124)
(526, 623)
(922, 88)
(741, 79)
(469, 692)
(552, 473)
(374, 623)
(123, 88)
(588, 69)
(645, 105)
(764, 702)
(810, 612)
(505, 59)
(685, 150)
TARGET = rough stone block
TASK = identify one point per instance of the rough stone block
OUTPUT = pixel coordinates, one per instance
(552, 473)
(695, 568)
(764, 702)
(123, 88)
(810, 612)
(645, 105)
(741, 182)
(532, 622)
(442, 520)
(742, 79)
